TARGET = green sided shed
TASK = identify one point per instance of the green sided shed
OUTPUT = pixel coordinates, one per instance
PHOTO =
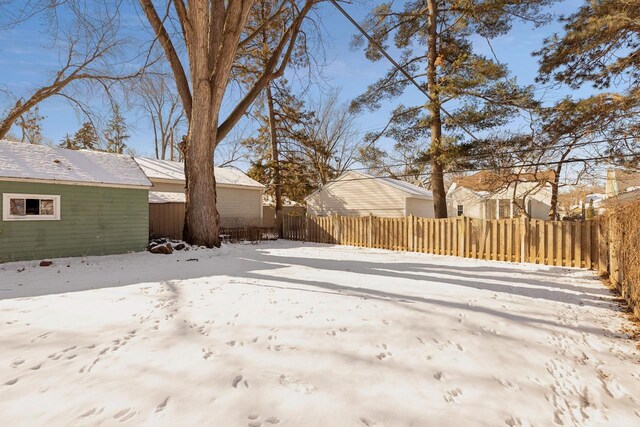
(62, 203)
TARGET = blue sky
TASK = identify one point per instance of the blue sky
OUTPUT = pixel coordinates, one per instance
(25, 59)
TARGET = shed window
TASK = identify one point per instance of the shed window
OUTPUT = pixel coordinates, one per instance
(460, 210)
(30, 207)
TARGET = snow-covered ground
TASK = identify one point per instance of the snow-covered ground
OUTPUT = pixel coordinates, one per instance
(311, 335)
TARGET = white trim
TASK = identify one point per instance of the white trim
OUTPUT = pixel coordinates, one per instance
(6, 206)
(80, 183)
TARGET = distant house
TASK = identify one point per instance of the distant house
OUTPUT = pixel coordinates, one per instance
(621, 181)
(623, 186)
(60, 203)
(358, 194)
(487, 195)
(239, 198)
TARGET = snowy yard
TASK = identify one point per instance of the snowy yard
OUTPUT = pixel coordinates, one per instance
(311, 335)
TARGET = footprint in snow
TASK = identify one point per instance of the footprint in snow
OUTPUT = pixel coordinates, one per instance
(440, 376)
(507, 384)
(255, 420)
(162, 405)
(92, 411)
(453, 395)
(384, 353)
(11, 382)
(17, 363)
(125, 415)
(237, 380)
(514, 422)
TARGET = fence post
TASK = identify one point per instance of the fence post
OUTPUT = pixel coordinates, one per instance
(603, 246)
(462, 234)
(524, 238)
(615, 274)
(410, 229)
(370, 231)
(337, 229)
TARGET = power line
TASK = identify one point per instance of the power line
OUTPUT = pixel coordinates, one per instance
(399, 68)
(527, 150)
(523, 165)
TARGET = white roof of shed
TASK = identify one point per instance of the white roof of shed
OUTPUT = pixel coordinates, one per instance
(166, 197)
(24, 161)
(407, 187)
(168, 170)
(411, 190)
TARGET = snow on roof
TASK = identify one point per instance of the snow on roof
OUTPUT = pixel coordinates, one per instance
(268, 200)
(404, 186)
(20, 160)
(174, 171)
(408, 187)
(166, 197)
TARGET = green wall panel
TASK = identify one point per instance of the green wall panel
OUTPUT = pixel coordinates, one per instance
(94, 221)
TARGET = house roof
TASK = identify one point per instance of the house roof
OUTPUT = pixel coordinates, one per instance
(167, 170)
(488, 181)
(409, 189)
(621, 199)
(22, 161)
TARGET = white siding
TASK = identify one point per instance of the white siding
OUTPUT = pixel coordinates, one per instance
(237, 206)
(170, 188)
(245, 205)
(471, 202)
(353, 196)
(420, 207)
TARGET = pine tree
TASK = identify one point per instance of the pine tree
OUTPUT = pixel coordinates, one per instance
(601, 46)
(86, 138)
(601, 43)
(279, 110)
(67, 142)
(591, 211)
(116, 132)
(435, 40)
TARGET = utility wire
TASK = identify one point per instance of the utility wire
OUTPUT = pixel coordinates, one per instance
(523, 165)
(493, 154)
(399, 68)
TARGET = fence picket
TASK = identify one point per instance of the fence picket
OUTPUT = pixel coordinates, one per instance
(558, 243)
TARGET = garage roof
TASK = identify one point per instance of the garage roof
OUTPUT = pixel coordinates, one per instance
(23, 161)
(167, 170)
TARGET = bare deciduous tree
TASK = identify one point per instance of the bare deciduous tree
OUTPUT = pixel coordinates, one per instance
(88, 46)
(160, 102)
(212, 32)
(332, 142)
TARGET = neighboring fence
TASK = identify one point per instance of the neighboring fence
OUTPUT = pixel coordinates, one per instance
(167, 220)
(624, 241)
(560, 243)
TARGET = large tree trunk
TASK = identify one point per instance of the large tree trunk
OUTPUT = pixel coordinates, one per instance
(275, 160)
(555, 185)
(437, 176)
(553, 209)
(202, 220)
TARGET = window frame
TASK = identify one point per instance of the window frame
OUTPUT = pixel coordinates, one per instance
(460, 209)
(6, 207)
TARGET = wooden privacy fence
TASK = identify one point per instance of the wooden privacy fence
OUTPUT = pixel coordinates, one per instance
(560, 243)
